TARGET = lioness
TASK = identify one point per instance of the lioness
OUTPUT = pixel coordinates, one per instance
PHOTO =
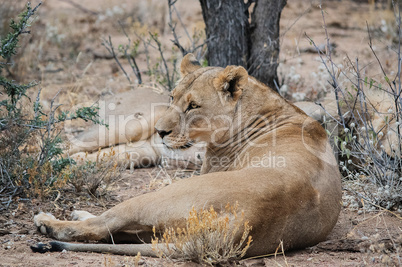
(131, 118)
(262, 152)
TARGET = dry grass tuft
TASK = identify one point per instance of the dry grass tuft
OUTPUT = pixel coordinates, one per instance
(208, 238)
(95, 177)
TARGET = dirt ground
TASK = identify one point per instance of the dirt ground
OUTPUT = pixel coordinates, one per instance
(376, 229)
(66, 53)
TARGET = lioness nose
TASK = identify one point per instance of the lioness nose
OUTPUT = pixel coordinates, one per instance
(162, 133)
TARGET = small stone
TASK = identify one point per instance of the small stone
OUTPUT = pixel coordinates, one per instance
(4, 232)
(23, 232)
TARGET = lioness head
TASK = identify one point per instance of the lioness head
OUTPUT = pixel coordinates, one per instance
(202, 104)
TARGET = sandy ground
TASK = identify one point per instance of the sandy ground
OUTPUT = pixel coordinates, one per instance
(18, 233)
(67, 54)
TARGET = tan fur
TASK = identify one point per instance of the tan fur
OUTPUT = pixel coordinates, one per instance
(128, 109)
(189, 65)
(131, 117)
(274, 161)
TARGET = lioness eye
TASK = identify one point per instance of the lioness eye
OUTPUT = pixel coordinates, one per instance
(194, 105)
(171, 99)
(191, 106)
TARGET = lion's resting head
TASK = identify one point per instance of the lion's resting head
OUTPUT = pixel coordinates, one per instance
(202, 105)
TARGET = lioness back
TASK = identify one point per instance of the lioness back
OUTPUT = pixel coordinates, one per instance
(290, 177)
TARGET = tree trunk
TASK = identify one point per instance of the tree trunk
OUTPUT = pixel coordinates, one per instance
(233, 41)
(264, 39)
(226, 26)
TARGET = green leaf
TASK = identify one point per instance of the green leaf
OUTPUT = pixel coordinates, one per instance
(342, 147)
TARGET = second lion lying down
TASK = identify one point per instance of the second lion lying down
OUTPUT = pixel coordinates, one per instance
(262, 152)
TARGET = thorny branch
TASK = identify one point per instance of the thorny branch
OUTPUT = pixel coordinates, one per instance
(22, 30)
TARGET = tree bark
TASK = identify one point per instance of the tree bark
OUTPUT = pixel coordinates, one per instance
(227, 29)
(264, 39)
(233, 41)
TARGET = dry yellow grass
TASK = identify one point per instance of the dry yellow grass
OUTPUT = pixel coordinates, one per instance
(208, 238)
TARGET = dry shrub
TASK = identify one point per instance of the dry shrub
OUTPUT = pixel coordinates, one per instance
(40, 183)
(15, 69)
(208, 238)
(30, 142)
(95, 177)
(365, 125)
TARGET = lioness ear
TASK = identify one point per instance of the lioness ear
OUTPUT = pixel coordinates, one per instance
(189, 64)
(231, 81)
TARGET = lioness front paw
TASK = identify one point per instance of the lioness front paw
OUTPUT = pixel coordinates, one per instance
(42, 222)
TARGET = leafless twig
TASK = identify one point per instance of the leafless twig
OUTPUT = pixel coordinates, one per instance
(80, 7)
(172, 26)
(130, 57)
(193, 47)
(109, 46)
(170, 79)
